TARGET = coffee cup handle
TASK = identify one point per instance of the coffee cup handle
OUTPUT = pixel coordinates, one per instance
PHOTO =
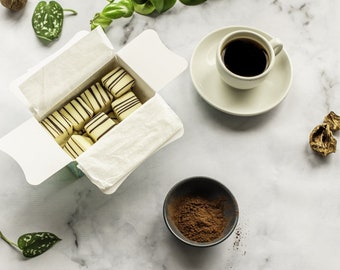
(277, 45)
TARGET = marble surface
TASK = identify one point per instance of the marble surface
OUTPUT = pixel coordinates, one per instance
(289, 198)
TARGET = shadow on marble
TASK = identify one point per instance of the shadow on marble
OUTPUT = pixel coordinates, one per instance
(192, 257)
(315, 160)
(15, 16)
(237, 123)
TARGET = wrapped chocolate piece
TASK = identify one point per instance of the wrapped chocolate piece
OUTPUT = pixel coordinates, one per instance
(77, 112)
(125, 105)
(118, 82)
(76, 145)
(58, 126)
(98, 126)
(97, 98)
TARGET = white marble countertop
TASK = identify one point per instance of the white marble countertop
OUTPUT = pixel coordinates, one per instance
(289, 198)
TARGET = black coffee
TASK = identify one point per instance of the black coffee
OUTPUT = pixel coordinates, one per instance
(245, 57)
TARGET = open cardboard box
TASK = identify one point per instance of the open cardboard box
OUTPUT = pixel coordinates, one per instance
(64, 75)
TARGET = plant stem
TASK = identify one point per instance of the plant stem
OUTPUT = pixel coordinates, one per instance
(70, 10)
(12, 244)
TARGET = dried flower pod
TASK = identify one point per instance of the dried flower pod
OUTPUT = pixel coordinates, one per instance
(14, 5)
(321, 140)
(333, 121)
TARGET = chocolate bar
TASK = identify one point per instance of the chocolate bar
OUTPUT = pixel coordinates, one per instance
(77, 112)
(97, 98)
(125, 105)
(118, 82)
(98, 126)
(76, 145)
(58, 126)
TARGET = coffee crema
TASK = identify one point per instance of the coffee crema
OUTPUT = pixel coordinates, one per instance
(245, 57)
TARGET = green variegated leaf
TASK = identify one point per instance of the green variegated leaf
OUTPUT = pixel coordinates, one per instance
(34, 244)
(47, 20)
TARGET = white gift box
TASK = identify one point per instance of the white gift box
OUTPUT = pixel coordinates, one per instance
(64, 75)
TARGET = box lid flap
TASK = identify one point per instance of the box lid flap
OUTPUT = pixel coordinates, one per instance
(152, 60)
(29, 144)
(46, 86)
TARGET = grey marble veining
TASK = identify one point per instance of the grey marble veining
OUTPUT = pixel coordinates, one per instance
(289, 198)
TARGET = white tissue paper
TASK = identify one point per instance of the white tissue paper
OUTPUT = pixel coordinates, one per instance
(57, 78)
(127, 145)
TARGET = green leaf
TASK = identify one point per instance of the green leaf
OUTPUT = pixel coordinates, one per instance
(140, 1)
(100, 20)
(149, 6)
(192, 2)
(118, 10)
(158, 4)
(34, 244)
(47, 20)
(144, 9)
(125, 8)
(113, 10)
(168, 4)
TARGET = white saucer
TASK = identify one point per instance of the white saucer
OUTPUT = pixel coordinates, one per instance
(218, 94)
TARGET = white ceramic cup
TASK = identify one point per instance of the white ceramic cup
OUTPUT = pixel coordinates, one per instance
(271, 48)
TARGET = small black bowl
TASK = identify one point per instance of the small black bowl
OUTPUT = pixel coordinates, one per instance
(206, 188)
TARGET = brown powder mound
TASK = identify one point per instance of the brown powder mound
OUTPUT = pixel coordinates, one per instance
(197, 218)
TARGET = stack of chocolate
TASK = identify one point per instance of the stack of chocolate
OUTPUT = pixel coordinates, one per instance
(89, 116)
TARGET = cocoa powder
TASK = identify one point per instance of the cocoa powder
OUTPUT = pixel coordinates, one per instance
(198, 218)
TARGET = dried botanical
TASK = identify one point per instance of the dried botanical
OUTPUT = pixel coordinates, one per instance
(333, 121)
(14, 5)
(321, 140)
